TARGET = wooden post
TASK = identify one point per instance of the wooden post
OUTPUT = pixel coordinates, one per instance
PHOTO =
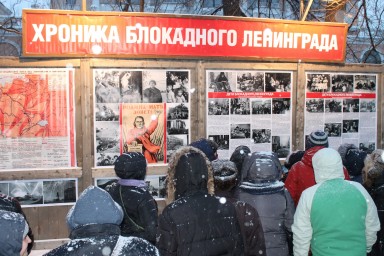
(83, 5)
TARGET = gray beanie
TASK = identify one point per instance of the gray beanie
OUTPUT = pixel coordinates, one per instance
(316, 138)
(94, 206)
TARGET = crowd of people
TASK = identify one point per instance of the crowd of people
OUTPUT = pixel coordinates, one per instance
(320, 202)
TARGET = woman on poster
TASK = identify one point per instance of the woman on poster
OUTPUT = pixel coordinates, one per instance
(140, 134)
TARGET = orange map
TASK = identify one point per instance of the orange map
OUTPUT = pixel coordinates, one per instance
(33, 104)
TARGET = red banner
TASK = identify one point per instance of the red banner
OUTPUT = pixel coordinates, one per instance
(345, 95)
(96, 34)
(235, 95)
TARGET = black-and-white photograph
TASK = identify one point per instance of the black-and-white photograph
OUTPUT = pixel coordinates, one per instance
(178, 83)
(240, 106)
(177, 126)
(107, 87)
(59, 191)
(162, 186)
(107, 112)
(281, 106)
(261, 107)
(261, 135)
(27, 192)
(104, 182)
(350, 105)
(107, 137)
(318, 82)
(278, 82)
(221, 140)
(177, 111)
(333, 105)
(218, 107)
(106, 159)
(131, 86)
(333, 129)
(114, 86)
(350, 126)
(155, 185)
(240, 131)
(281, 145)
(250, 81)
(367, 147)
(365, 83)
(175, 142)
(221, 81)
(4, 188)
(342, 83)
(314, 105)
(154, 86)
(367, 105)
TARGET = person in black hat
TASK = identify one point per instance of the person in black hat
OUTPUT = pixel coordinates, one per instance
(353, 159)
(209, 147)
(225, 179)
(131, 193)
(291, 159)
(301, 174)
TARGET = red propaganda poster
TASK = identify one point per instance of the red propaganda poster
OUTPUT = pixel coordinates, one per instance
(142, 110)
(142, 129)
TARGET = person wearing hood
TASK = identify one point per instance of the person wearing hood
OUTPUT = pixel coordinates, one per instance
(260, 186)
(14, 237)
(335, 216)
(94, 226)
(301, 175)
(225, 179)
(8, 203)
(195, 222)
(353, 160)
(131, 193)
(373, 181)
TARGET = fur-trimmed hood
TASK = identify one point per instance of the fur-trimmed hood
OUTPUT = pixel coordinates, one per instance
(373, 171)
(189, 170)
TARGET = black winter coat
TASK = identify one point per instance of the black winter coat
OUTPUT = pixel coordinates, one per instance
(199, 225)
(101, 240)
(373, 180)
(196, 223)
(141, 207)
(377, 193)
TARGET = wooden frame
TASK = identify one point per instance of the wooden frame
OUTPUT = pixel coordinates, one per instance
(49, 222)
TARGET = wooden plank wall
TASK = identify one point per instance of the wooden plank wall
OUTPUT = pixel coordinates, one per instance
(48, 223)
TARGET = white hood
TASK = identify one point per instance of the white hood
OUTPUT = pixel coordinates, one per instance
(327, 165)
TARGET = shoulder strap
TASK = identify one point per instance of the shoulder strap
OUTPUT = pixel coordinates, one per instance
(138, 227)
